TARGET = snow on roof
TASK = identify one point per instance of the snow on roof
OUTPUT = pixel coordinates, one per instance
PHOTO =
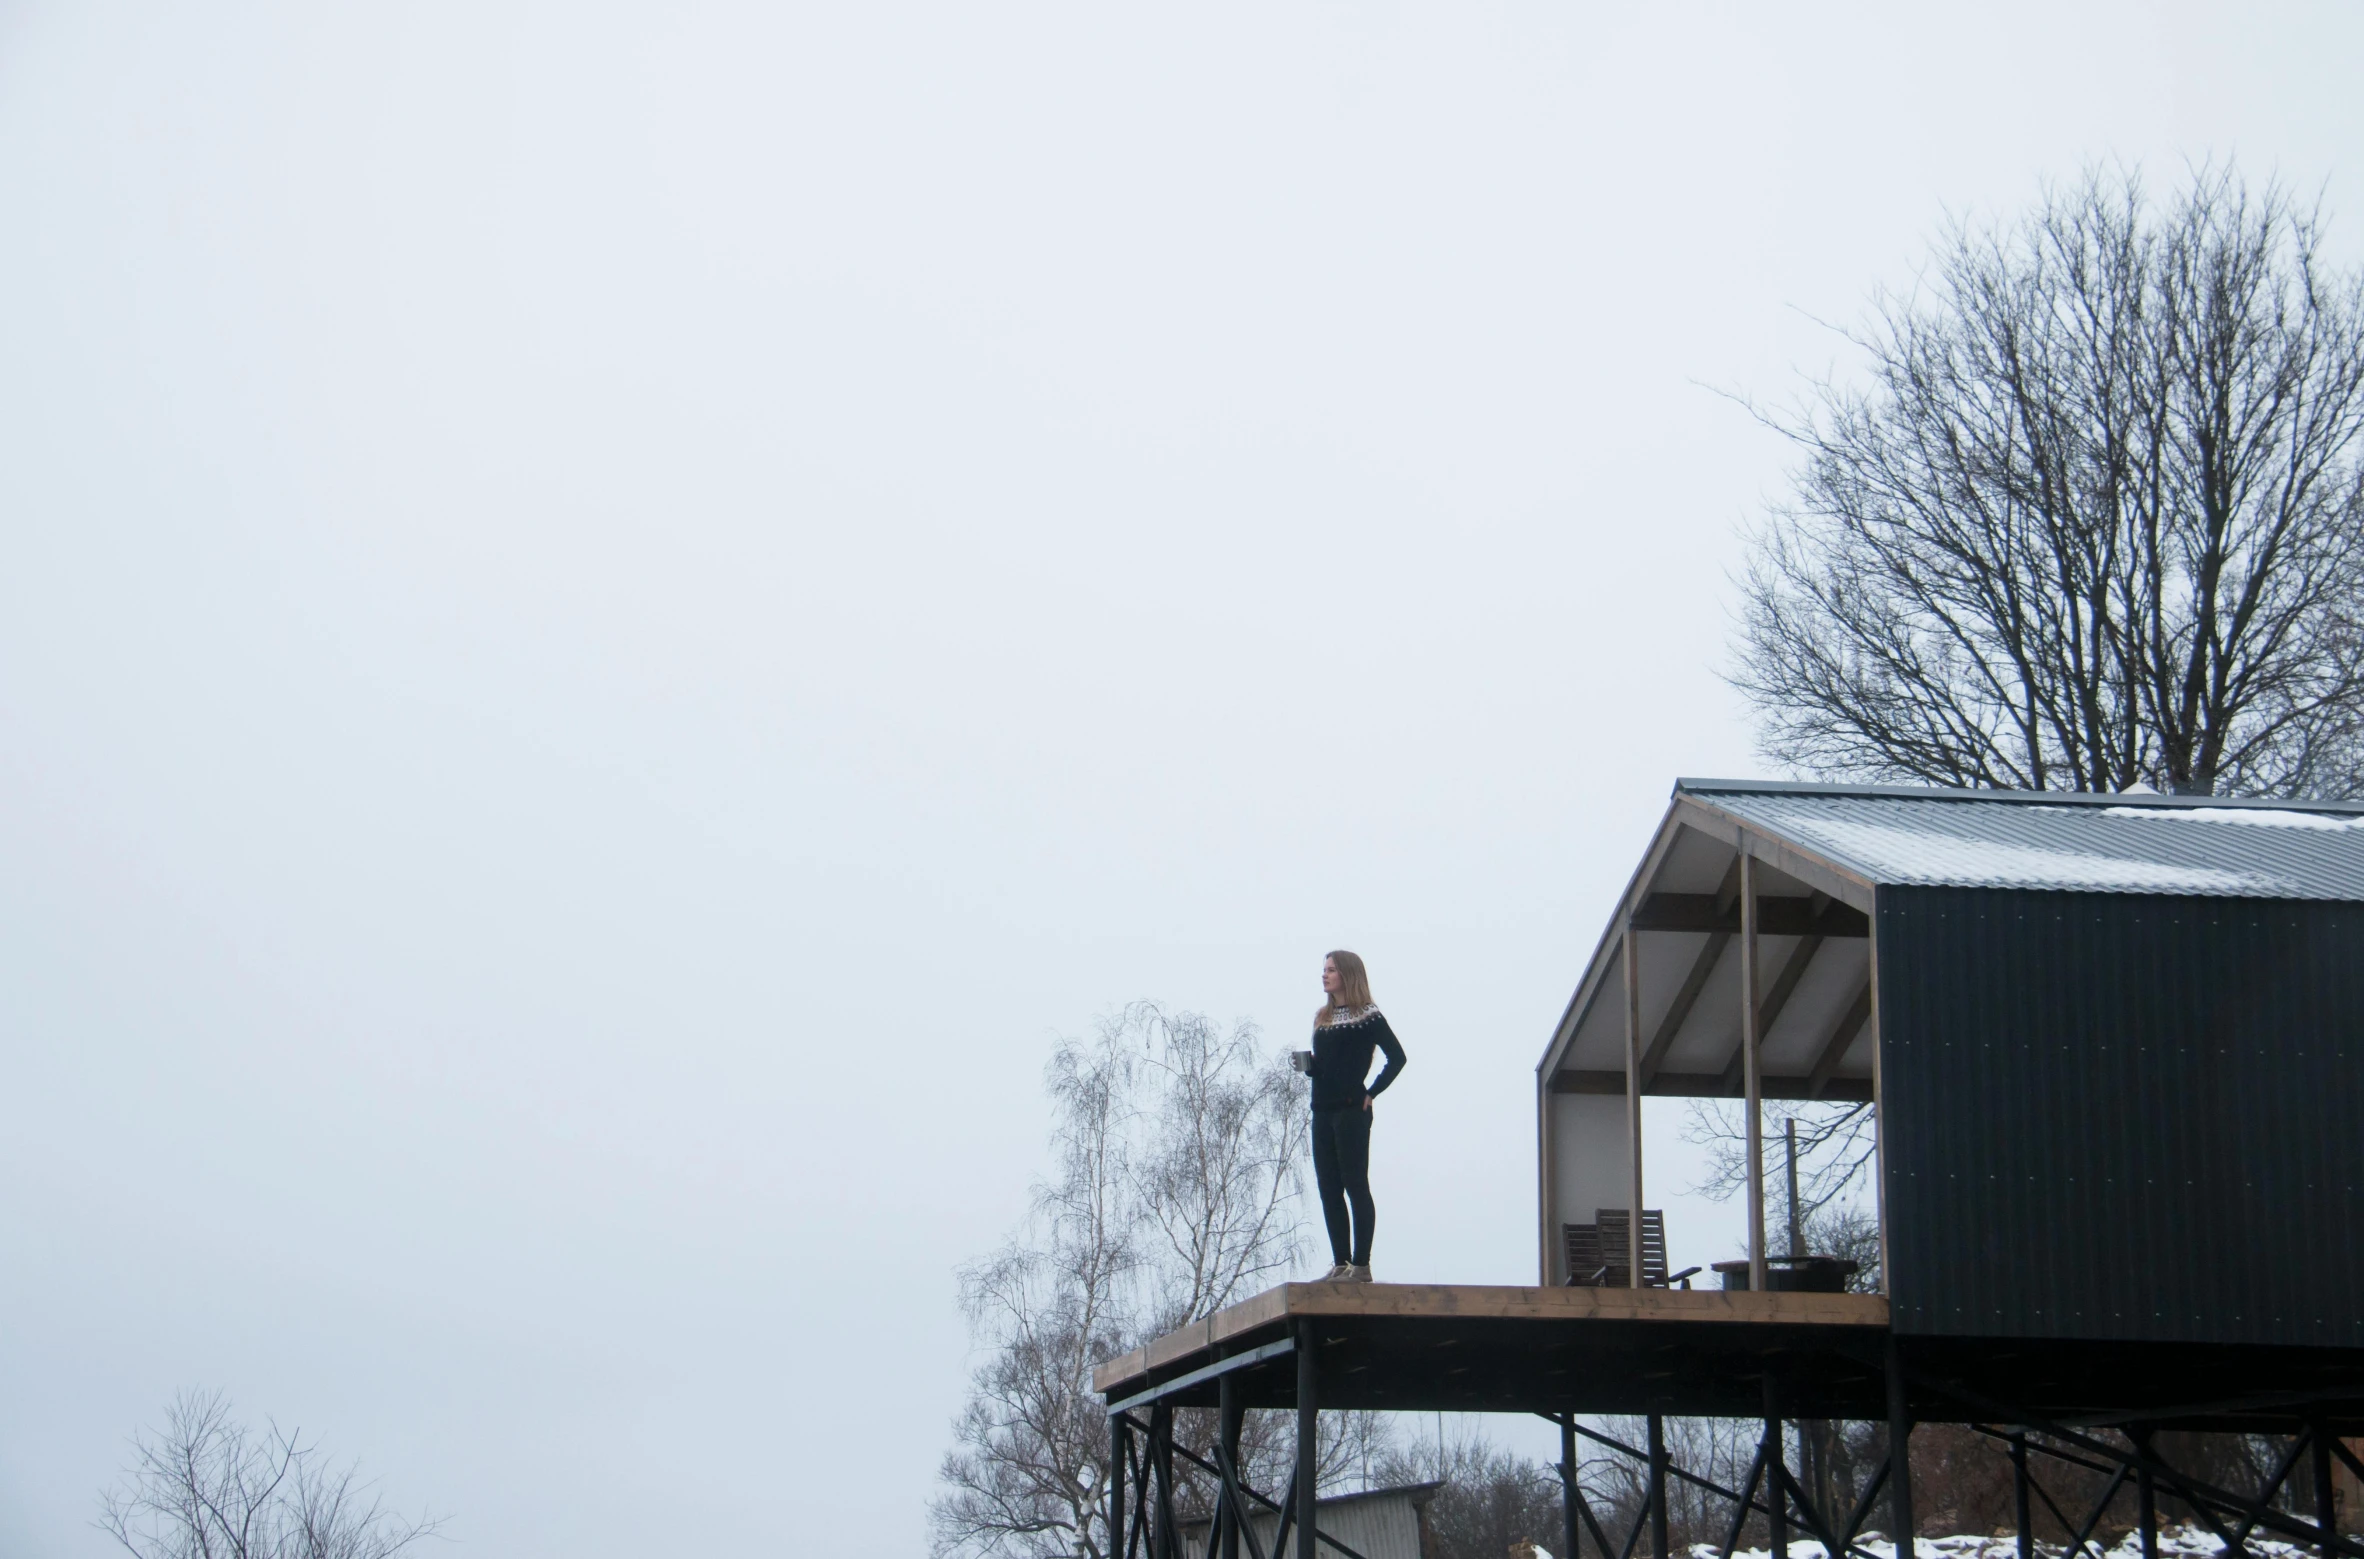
(2091, 844)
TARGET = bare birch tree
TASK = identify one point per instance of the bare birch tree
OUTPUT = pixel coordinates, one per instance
(1219, 1176)
(1030, 1443)
(2096, 517)
(1179, 1149)
(205, 1487)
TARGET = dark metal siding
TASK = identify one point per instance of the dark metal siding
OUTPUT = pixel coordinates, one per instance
(2123, 1116)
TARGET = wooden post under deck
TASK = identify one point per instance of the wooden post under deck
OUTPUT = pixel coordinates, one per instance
(1752, 1068)
(1633, 1097)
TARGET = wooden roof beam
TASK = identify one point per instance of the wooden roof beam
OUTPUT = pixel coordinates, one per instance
(1709, 1085)
(1815, 915)
(1842, 1034)
(1785, 984)
(1726, 895)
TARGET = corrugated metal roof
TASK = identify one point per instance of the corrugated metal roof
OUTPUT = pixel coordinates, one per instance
(2090, 844)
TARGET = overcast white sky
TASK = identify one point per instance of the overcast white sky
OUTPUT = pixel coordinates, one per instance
(612, 617)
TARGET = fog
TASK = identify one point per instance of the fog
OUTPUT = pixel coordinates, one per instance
(612, 619)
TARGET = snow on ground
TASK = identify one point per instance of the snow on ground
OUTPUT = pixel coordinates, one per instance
(2191, 1541)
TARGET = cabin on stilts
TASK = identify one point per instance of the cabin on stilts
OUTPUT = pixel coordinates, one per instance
(2112, 1050)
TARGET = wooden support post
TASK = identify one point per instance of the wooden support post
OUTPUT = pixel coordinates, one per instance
(1571, 1529)
(1230, 1417)
(1658, 1539)
(2027, 1526)
(1633, 1098)
(1797, 1224)
(1308, 1439)
(1752, 1066)
(1900, 1461)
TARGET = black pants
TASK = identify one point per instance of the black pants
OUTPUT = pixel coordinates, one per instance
(1342, 1168)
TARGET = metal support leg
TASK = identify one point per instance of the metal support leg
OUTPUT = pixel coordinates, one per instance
(1229, 1415)
(1744, 1506)
(1162, 1531)
(1776, 1486)
(1900, 1464)
(2326, 1509)
(2146, 1497)
(1308, 1438)
(1814, 1454)
(1571, 1529)
(1120, 1446)
(1658, 1548)
(2027, 1530)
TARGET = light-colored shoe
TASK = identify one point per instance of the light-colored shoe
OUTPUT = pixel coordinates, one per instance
(1358, 1274)
(1341, 1273)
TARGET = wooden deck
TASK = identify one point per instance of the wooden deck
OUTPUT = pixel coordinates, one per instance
(1469, 1348)
(1270, 1311)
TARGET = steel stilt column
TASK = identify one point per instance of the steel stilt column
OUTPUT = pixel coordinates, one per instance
(1153, 1482)
(2326, 1509)
(1229, 1415)
(1308, 1439)
(2146, 1496)
(2027, 1531)
(1161, 1463)
(1658, 1548)
(1571, 1529)
(1120, 1445)
(1776, 1487)
(1900, 1465)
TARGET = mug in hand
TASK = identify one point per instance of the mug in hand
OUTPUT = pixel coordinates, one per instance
(1302, 1060)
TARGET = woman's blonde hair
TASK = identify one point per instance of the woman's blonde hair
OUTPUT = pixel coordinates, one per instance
(1354, 986)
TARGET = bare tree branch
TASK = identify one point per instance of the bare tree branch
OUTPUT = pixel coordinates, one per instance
(1178, 1188)
(2097, 517)
(204, 1487)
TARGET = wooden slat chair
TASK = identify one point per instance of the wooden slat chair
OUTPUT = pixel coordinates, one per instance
(1600, 1253)
(1584, 1254)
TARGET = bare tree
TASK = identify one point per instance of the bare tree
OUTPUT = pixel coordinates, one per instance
(1719, 1449)
(2096, 518)
(1178, 1189)
(205, 1487)
(1023, 1476)
(1837, 1152)
(1219, 1178)
(1492, 1500)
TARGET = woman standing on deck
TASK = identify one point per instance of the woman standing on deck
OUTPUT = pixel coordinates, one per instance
(1346, 1031)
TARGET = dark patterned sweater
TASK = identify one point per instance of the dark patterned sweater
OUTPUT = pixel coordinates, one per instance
(1342, 1059)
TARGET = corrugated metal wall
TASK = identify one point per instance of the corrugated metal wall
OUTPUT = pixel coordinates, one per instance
(2123, 1116)
(1380, 1526)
